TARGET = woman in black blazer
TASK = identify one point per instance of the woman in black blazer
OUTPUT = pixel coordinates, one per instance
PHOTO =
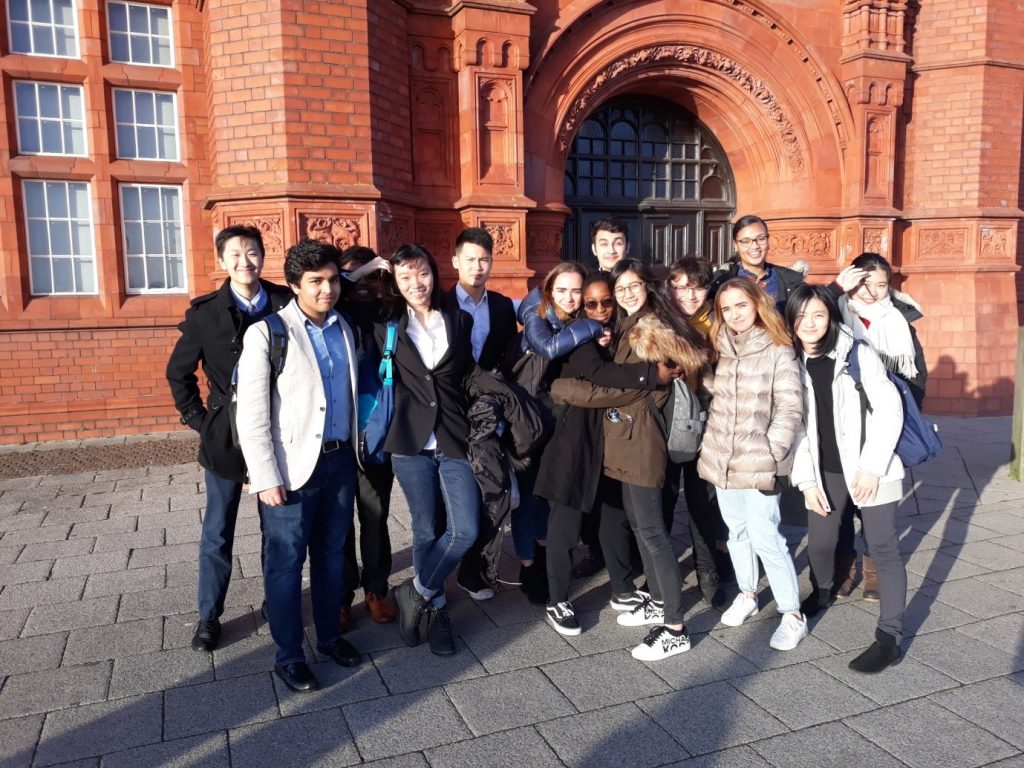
(427, 441)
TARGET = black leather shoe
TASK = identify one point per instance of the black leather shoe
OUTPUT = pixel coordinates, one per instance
(342, 651)
(439, 632)
(207, 635)
(410, 605)
(297, 676)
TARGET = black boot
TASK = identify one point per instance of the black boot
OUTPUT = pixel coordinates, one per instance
(711, 590)
(882, 653)
(818, 600)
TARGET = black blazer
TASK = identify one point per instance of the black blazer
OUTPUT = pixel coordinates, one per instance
(502, 330)
(430, 400)
(211, 334)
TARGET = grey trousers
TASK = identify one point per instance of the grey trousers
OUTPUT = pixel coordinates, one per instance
(879, 524)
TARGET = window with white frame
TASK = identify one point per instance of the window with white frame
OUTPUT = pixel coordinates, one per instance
(58, 221)
(146, 125)
(51, 118)
(151, 222)
(43, 27)
(140, 34)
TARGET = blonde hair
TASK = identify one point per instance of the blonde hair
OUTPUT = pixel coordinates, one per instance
(767, 316)
(547, 299)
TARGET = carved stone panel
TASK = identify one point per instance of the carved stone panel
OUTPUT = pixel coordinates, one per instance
(876, 241)
(812, 244)
(394, 229)
(432, 132)
(943, 244)
(438, 238)
(505, 234)
(270, 227)
(876, 157)
(496, 131)
(339, 230)
(996, 244)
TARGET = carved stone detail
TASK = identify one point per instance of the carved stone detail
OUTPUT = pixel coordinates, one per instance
(270, 227)
(496, 114)
(876, 241)
(874, 25)
(802, 245)
(943, 243)
(504, 240)
(340, 231)
(995, 243)
(696, 57)
(544, 244)
(439, 239)
(391, 234)
(432, 130)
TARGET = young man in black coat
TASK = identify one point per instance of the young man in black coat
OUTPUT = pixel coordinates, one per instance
(750, 236)
(211, 335)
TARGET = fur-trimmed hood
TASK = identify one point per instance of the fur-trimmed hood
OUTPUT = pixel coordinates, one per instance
(653, 341)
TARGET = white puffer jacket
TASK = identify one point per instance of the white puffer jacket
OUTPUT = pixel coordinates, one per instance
(883, 424)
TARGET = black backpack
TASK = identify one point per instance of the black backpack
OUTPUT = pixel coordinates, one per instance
(276, 353)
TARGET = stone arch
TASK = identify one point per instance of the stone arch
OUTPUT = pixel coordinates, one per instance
(782, 120)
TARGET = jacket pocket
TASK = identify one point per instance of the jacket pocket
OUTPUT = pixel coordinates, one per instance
(618, 425)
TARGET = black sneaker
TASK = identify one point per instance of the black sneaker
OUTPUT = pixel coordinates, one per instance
(411, 606)
(563, 619)
(881, 654)
(627, 601)
(660, 643)
(472, 584)
(817, 601)
(439, 632)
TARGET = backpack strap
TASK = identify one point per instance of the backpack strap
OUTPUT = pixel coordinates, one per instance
(386, 369)
(278, 344)
(853, 368)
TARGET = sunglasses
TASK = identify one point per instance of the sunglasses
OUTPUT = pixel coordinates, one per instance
(603, 303)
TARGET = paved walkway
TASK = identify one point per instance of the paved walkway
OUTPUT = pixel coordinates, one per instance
(97, 593)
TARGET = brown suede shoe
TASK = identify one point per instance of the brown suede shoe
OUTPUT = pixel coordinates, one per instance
(380, 608)
(346, 618)
(845, 579)
(871, 593)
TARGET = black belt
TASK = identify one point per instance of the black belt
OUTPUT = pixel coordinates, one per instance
(330, 446)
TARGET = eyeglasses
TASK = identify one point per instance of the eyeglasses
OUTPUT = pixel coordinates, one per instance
(746, 242)
(593, 304)
(631, 289)
(692, 290)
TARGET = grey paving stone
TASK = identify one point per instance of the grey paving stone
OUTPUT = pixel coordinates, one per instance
(114, 525)
(406, 722)
(913, 540)
(1012, 581)
(504, 649)
(802, 695)
(610, 738)
(97, 729)
(122, 582)
(54, 689)
(159, 671)
(74, 515)
(924, 735)
(67, 616)
(23, 573)
(235, 623)
(215, 706)
(707, 661)
(411, 760)
(338, 686)
(135, 540)
(975, 597)
(157, 602)
(963, 658)
(829, 744)
(751, 641)
(10, 554)
(939, 565)
(183, 518)
(1001, 632)
(844, 627)
(601, 680)
(11, 622)
(600, 633)
(711, 717)
(20, 521)
(180, 534)
(54, 550)
(995, 705)
(923, 614)
(1002, 522)
(508, 749)
(991, 554)
(162, 554)
(411, 669)
(247, 545)
(30, 654)
(35, 535)
(315, 739)
(209, 751)
(1010, 762)
(510, 700)
(41, 593)
(84, 565)
(244, 592)
(184, 573)
(114, 641)
(244, 655)
(18, 738)
(737, 757)
(509, 607)
(910, 679)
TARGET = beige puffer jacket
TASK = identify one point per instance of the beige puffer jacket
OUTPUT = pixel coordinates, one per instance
(756, 412)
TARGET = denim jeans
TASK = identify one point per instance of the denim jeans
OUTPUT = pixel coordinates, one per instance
(753, 519)
(444, 503)
(530, 519)
(222, 498)
(316, 517)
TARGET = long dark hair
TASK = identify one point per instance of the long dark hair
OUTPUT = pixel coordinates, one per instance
(795, 307)
(869, 262)
(657, 302)
(406, 254)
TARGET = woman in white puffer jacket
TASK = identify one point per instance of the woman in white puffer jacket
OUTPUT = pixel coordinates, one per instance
(846, 458)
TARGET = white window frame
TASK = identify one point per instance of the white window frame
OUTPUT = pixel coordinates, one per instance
(149, 35)
(135, 125)
(50, 256)
(62, 119)
(51, 25)
(183, 288)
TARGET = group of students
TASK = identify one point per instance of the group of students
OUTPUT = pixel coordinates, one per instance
(562, 427)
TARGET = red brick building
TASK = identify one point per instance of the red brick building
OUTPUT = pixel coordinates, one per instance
(133, 130)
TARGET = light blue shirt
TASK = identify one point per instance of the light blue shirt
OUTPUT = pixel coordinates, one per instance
(253, 307)
(332, 357)
(481, 315)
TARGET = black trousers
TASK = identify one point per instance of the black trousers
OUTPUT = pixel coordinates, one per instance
(645, 512)
(704, 519)
(615, 535)
(879, 523)
(373, 502)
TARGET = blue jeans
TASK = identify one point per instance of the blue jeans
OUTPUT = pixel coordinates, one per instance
(438, 489)
(530, 519)
(316, 517)
(753, 519)
(222, 498)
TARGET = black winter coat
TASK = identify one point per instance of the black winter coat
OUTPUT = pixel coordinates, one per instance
(211, 335)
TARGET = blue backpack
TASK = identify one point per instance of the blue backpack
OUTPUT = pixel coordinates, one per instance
(919, 438)
(377, 401)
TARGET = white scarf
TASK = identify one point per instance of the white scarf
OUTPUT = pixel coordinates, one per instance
(888, 333)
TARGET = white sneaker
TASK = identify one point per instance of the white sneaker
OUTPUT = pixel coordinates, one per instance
(742, 608)
(789, 634)
(661, 643)
(648, 612)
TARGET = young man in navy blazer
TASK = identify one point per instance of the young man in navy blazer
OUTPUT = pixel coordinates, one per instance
(297, 431)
